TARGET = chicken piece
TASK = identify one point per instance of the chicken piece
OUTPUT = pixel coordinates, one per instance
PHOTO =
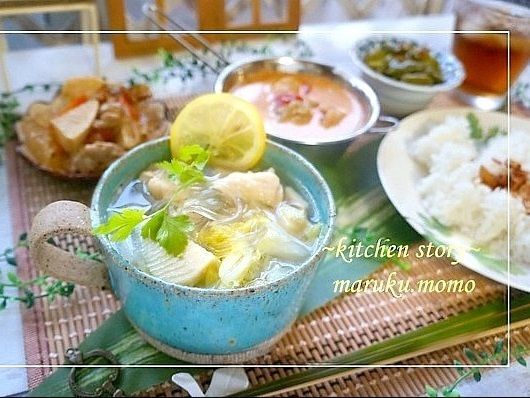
(255, 188)
(293, 219)
(493, 180)
(94, 158)
(286, 85)
(331, 117)
(297, 112)
(158, 184)
(72, 127)
(191, 268)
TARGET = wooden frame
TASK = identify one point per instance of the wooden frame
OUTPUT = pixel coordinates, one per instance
(211, 16)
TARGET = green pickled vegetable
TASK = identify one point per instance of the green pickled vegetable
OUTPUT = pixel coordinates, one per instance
(405, 61)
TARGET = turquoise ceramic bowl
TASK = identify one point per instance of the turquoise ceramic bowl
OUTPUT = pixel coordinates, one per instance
(212, 325)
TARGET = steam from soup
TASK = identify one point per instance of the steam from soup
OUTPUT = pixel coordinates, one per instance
(248, 229)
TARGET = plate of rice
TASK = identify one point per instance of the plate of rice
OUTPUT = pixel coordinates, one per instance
(460, 180)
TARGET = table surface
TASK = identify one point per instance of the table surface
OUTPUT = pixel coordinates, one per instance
(330, 44)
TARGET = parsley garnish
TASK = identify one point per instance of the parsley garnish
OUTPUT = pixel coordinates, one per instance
(476, 131)
(120, 225)
(187, 168)
(169, 231)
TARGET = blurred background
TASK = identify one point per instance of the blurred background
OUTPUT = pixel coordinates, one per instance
(188, 12)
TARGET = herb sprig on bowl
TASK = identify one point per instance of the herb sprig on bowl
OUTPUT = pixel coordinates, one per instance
(477, 132)
(169, 230)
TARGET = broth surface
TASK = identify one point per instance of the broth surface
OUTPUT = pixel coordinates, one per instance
(228, 217)
(269, 90)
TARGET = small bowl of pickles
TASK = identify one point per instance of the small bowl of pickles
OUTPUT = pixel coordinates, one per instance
(405, 74)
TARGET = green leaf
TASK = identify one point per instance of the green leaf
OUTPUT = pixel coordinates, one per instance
(173, 233)
(430, 391)
(499, 345)
(474, 126)
(174, 168)
(10, 257)
(194, 155)
(29, 298)
(3, 304)
(470, 354)
(153, 224)
(492, 132)
(521, 360)
(460, 369)
(120, 225)
(477, 376)
(23, 240)
(180, 171)
(450, 393)
(14, 279)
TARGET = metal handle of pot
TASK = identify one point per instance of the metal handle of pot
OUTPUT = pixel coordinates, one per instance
(384, 124)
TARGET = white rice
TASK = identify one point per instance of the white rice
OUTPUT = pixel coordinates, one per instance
(452, 192)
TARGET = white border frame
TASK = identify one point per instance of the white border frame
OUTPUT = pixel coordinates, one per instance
(321, 365)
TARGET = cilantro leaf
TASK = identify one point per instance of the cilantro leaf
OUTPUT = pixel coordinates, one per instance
(187, 168)
(173, 233)
(174, 168)
(476, 131)
(120, 225)
(151, 227)
(194, 155)
(178, 170)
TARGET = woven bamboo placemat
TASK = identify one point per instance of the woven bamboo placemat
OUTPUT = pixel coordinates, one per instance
(344, 325)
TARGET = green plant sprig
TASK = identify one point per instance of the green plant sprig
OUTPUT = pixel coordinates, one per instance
(188, 68)
(476, 131)
(168, 230)
(8, 255)
(499, 355)
(47, 287)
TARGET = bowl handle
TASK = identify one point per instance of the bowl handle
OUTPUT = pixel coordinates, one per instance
(59, 218)
(385, 124)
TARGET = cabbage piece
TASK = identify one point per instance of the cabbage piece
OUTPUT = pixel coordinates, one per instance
(280, 244)
(238, 268)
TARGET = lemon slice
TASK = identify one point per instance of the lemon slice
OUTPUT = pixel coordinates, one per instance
(229, 127)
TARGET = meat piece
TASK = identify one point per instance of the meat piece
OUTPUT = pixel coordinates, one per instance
(297, 112)
(519, 181)
(493, 180)
(257, 188)
(331, 117)
(158, 184)
(94, 158)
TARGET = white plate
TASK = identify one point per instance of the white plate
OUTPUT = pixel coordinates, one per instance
(400, 174)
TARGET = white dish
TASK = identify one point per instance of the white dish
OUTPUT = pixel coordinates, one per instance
(399, 174)
(399, 98)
